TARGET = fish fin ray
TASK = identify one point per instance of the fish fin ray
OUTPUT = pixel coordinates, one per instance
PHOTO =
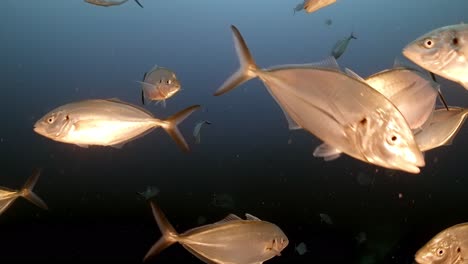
(251, 217)
(351, 73)
(229, 217)
(170, 125)
(247, 66)
(27, 190)
(169, 234)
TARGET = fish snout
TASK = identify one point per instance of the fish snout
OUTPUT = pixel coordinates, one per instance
(422, 258)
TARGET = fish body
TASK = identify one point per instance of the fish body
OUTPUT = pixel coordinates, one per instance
(8, 196)
(442, 128)
(342, 111)
(108, 122)
(341, 45)
(409, 90)
(231, 240)
(107, 3)
(159, 84)
(449, 246)
(314, 5)
(443, 51)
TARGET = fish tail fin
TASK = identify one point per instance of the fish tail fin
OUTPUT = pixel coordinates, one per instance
(170, 125)
(169, 234)
(247, 69)
(27, 192)
(138, 3)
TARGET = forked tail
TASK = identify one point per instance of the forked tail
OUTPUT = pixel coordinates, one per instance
(27, 190)
(247, 69)
(169, 235)
(170, 125)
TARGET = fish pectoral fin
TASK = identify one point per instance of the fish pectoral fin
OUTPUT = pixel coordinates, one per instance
(251, 217)
(327, 152)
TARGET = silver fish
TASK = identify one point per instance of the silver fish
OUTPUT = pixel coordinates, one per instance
(197, 128)
(231, 240)
(159, 84)
(449, 246)
(341, 46)
(409, 90)
(343, 111)
(8, 196)
(442, 128)
(443, 51)
(314, 5)
(108, 122)
(107, 3)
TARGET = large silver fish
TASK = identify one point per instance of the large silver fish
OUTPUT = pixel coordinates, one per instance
(443, 51)
(341, 45)
(231, 240)
(342, 111)
(441, 128)
(413, 93)
(108, 122)
(159, 84)
(449, 246)
(8, 196)
(107, 3)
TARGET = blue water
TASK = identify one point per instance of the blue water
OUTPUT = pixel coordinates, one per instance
(56, 52)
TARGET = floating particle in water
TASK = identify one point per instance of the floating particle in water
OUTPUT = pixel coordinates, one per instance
(328, 22)
(301, 249)
(326, 219)
(364, 179)
(400, 195)
(361, 237)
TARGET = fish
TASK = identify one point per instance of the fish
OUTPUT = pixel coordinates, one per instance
(441, 128)
(301, 249)
(342, 111)
(8, 196)
(149, 193)
(442, 51)
(159, 84)
(413, 93)
(107, 122)
(197, 128)
(326, 219)
(107, 3)
(448, 246)
(298, 8)
(341, 45)
(314, 5)
(231, 240)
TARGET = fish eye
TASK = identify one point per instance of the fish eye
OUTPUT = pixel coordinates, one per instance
(428, 43)
(50, 120)
(455, 41)
(392, 140)
(440, 252)
(169, 81)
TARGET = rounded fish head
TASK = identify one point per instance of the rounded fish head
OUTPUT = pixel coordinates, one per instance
(433, 50)
(385, 139)
(167, 87)
(279, 242)
(443, 248)
(53, 125)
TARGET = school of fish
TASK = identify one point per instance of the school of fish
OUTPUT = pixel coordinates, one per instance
(388, 119)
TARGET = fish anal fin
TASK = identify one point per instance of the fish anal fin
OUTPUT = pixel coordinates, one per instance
(251, 217)
(118, 146)
(82, 145)
(228, 218)
(327, 152)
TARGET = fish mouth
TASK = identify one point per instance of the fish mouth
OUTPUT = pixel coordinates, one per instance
(422, 259)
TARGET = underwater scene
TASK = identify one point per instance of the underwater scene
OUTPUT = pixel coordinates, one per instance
(234, 132)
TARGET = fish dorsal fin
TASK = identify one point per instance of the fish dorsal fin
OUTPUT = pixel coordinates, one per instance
(230, 217)
(251, 217)
(354, 75)
(327, 63)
